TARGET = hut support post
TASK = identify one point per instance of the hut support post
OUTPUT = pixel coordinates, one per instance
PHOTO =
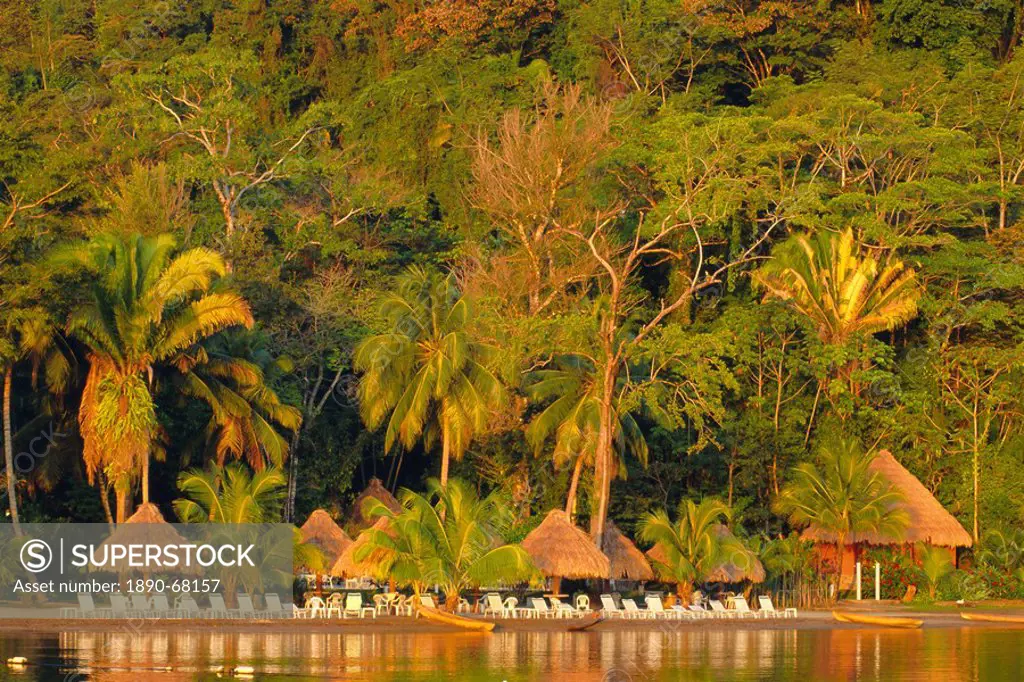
(556, 584)
(878, 581)
(858, 581)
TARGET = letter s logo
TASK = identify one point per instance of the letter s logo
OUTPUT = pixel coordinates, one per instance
(36, 556)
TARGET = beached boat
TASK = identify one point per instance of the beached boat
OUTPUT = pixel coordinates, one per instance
(992, 618)
(436, 616)
(586, 622)
(884, 621)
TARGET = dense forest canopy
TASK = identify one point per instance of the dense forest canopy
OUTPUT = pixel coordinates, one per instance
(633, 238)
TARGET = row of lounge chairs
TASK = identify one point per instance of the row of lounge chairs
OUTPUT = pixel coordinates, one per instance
(493, 605)
(158, 606)
(716, 609)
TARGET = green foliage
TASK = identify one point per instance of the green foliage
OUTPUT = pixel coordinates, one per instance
(449, 537)
(230, 494)
(936, 564)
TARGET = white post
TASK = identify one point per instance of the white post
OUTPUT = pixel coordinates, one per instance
(858, 581)
(878, 581)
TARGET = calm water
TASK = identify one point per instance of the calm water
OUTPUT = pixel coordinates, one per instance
(937, 655)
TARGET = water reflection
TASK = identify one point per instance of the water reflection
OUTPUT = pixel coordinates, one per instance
(956, 655)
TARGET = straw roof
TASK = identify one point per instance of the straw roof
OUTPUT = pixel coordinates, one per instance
(627, 561)
(560, 549)
(321, 530)
(347, 567)
(374, 489)
(146, 526)
(929, 521)
(730, 572)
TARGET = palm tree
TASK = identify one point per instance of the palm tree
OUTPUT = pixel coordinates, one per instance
(842, 496)
(37, 342)
(147, 309)
(936, 564)
(230, 376)
(841, 287)
(427, 377)
(573, 418)
(449, 537)
(689, 549)
(230, 494)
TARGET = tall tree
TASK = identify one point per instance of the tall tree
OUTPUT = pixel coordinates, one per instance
(147, 309)
(427, 376)
(843, 496)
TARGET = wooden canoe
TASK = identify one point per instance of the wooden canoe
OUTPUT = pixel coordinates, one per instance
(436, 616)
(586, 622)
(884, 621)
(992, 618)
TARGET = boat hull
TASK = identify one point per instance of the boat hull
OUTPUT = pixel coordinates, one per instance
(992, 618)
(883, 621)
(436, 616)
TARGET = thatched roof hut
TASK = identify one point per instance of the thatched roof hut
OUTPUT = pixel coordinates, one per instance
(929, 521)
(146, 526)
(374, 489)
(347, 567)
(626, 560)
(748, 567)
(321, 530)
(559, 549)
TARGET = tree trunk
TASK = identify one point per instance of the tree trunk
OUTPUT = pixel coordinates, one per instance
(145, 479)
(976, 465)
(445, 452)
(684, 590)
(101, 482)
(840, 546)
(293, 475)
(122, 489)
(12, 492)
(603, 476)
(570, 501)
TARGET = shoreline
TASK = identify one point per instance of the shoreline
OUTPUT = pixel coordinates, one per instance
(809, 620)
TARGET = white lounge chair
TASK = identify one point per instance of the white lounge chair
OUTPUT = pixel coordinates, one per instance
(769, 610)
(582, 604)
(541, 609)
(718, 609)
(218, 609)
(427, 601)
(141, 606)
(334, 604)
(609, 609)
(161, 607)
(658, 610)
(186, 607)
(493, 606)
(275, 609)
(742, 608)
(634, 611)
(87, 608)
(246, 609)
(354, 606)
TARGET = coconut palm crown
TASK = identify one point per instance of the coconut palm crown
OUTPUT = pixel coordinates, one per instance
(427, 376)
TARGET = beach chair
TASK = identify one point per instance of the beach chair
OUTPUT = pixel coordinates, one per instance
(742, 608)
(540, 608)
(463, 606)
(403, 606)
(427, 601)
(246, 609)
(493, 606)
(634, 611)
(582, 604)
(186, 607)
(609, 609)
(161, 607)
(314, 608)
(354, 606)
(119, 606)
(334, 604)
(275, 609)
(510, 608)
(87, 608)
(769, 610)
(140, 606)
(658, 610)
(718, 609)
(218, 609)
(562, 609)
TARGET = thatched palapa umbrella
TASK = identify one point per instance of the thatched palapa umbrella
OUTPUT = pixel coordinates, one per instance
(626, 560)
(375, 565)
(377, 490)
(321, 530)
(561, 550)
(145, 527)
